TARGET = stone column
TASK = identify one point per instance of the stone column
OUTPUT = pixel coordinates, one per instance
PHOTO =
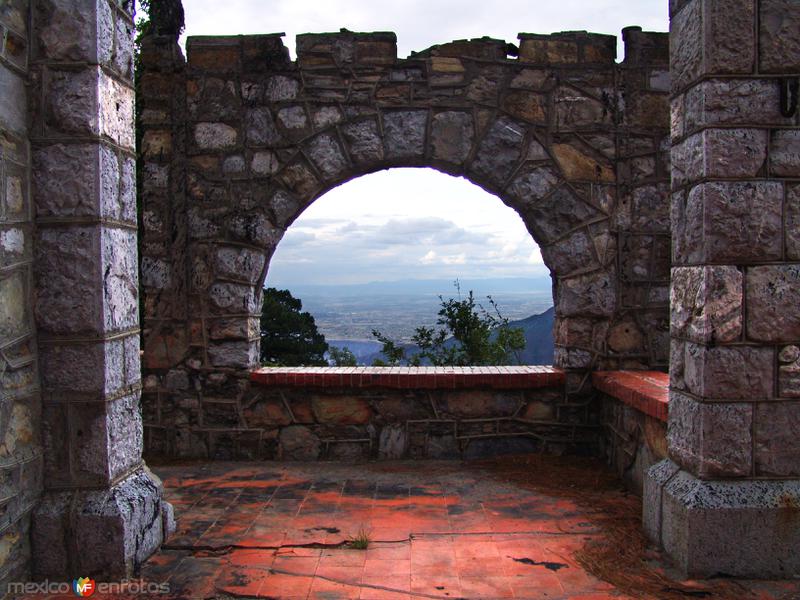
(102, 510)
(20, 449)
(729, 499)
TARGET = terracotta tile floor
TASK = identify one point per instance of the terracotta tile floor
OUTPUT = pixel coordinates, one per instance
(517, 528)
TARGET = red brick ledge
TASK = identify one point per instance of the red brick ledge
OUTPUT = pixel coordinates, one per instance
(411, 377)
(646, 391)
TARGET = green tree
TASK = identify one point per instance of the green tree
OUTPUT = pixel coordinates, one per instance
(343, 357)
(289, 337)
(469, 335)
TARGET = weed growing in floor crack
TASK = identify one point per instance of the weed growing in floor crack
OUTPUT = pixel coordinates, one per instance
(361, 540)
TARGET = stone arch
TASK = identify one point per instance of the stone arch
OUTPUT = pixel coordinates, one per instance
(240, 140)
(570, 223)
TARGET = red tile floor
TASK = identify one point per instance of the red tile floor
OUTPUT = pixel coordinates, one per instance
(524, 527)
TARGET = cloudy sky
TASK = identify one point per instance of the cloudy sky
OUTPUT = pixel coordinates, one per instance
(412, 223)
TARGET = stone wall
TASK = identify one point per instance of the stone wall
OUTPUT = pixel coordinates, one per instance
(239, 140)
(20, 398)
(728, 500)
(381, 413)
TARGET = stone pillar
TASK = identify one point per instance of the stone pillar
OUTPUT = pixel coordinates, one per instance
(102, 510)
(20, 448)
(728, 501)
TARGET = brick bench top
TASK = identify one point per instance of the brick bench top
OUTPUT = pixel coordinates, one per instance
(411, 377)
(646, 391)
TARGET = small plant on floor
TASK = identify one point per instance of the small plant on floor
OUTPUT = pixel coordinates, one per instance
(360, 541)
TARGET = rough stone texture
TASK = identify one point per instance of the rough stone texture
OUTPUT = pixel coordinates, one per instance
(734, 217)
(726, 221)
(297, 423)
(710, 439)
(772, 294)
(707, 303)
(634, 442)
(20, 395)
(703, 520)
(779, 47)
(715, 371)
(777, 446)
(97, 497)
(784, 153)
(652, 496)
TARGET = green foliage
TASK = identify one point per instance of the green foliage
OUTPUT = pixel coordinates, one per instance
(361, 540)
(342, 357)
(289, 337)
(479, 337)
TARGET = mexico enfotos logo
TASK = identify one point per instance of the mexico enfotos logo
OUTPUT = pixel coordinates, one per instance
(85, 587)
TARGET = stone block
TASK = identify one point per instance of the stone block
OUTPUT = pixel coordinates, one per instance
(499, 151)
(325, 152)
(777, 439)
(729, 41)
(119, 254)
(784, 153)
(116, 104)
(239, 263)
(655, 479)
(215, 136)
(264, 163)
(716, 372)
(479, 404)
(532, 184)
(710, 439)
(239, 354)
(575, 252)
(299, 443)
(98, 369)
(591, 295)
(404, 134)
(13, 101)
(122, 57)
(62, 26)
(792, 229)
(15, 244)
(734, 102)
(233, 298)
(686, 46)
(789, 372)
(266, 413)
(577, 165)
(530, 107)
(69, 282)
(723, 153)
(779, 46)
(707, 303)
(72, 104)
(772, 295)
(14, 316)
(734, 222)
(280, 88)
(545, 51)
(735, 528)
(364, 141)
(341, 410)
(452, 135)
(122, 526)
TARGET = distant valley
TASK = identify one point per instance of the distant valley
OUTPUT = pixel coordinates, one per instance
(347, 314)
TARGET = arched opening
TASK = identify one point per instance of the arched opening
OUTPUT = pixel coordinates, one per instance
(378, 252)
